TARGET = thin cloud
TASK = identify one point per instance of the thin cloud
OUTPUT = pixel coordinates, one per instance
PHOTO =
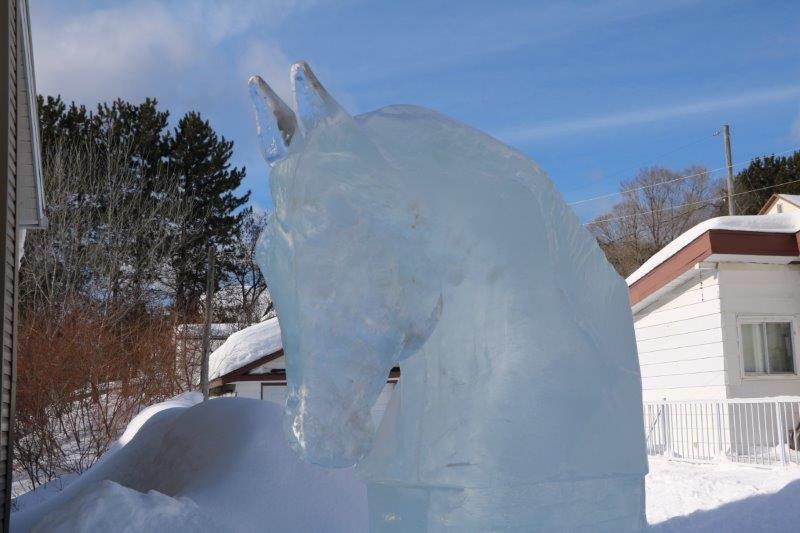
(145, 47)
(796, 128)
(650, 114)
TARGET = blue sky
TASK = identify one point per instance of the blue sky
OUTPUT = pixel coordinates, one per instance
(590, 90)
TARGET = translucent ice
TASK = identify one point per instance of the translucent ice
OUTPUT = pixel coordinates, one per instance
(403, 236)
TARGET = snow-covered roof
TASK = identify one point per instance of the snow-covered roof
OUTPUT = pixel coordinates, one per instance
(793, 198)
(777, 223)
(244, 347)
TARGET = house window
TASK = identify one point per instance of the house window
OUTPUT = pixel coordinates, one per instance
(767, 347)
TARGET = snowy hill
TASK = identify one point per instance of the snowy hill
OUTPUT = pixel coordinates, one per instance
(222, 465)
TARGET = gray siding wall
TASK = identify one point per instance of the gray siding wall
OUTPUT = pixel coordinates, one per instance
(26, 177)
(9, 23)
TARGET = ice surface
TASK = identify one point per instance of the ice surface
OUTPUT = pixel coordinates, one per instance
(403, 236)
(225, 460)
(244, 347)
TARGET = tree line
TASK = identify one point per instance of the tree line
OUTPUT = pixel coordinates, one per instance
(132, 205)
(659, 204)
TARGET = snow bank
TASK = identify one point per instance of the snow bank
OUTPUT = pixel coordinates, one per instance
(244, 347)
(726, 497)
(778, 223)
(225, 459)
(187, 399)
(108, 506)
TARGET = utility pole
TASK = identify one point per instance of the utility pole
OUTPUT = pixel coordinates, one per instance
(207, 324)
(726, 139)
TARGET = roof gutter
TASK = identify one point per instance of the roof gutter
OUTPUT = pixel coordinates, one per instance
(27, 57)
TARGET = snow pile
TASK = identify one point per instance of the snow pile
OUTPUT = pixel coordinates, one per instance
(244, 347)
(108, 506)
(184, 465)
(725, 497)
(187, 399)
(778, 223)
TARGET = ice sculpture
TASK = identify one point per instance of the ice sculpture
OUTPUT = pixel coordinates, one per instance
(403, 236)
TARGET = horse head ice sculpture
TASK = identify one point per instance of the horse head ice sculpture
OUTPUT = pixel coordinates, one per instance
(404, 237)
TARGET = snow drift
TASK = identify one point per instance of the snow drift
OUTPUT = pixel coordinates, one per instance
(222, 465)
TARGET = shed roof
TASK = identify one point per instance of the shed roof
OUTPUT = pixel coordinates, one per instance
(245, 347)
(751, 239)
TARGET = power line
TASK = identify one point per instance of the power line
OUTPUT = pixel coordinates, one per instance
(641, 229)
(690, 203)
(616, 174)
(681, 178)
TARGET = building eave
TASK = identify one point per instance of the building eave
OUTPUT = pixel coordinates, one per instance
(28, 65)
(715, 245)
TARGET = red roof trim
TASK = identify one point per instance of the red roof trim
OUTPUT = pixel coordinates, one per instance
(715, 241)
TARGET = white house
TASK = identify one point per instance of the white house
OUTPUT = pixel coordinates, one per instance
(251, 364)
(781, 203)
(716, 311)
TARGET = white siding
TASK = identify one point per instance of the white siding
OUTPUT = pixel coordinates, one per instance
(273, 393)
(758, 290)
(248, 389)
(781, 206)
(680, 342)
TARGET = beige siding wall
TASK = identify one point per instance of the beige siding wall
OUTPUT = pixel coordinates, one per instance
(680, 342)
(751, 290)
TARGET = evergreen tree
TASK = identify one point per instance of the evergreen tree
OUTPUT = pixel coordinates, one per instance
(765, 176)
(193, 155)
(200, 161)
(60, 124)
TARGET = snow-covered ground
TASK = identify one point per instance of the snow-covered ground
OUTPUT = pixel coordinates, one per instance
(225, 465)
(722, 497)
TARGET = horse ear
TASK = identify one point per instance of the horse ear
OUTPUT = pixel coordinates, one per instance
(313, 103)
(276, 122)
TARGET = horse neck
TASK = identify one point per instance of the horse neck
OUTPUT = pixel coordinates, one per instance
(441, 390)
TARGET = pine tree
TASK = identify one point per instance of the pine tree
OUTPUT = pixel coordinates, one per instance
(60, 124)
(763, 177)
(200, 161)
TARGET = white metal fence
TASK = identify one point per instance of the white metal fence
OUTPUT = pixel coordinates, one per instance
(761, 431)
